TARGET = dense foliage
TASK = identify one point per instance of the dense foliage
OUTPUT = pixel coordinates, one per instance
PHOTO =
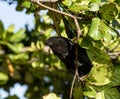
(25, 58)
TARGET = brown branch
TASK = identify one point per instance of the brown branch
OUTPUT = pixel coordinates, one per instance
(76, 75)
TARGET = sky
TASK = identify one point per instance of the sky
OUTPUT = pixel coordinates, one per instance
(8, 16)
(17, 89)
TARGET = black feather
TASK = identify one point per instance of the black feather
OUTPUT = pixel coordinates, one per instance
(64, 49)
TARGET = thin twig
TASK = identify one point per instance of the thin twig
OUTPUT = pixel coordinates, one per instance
(76, 75)
(73, 82)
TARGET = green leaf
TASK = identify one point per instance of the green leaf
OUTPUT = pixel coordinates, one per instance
(17, 37)
(115, 79)
(51, 96)
(1, 27)
(67, 2)
(96, 1)
(33, 7)
(110, 34)
(108, 93)
(102, 92)
(12, 97)
(77, 7)
(86, 42)
(11, 28)
(99, 30)
(96, 29)
(19, 8)
(90, 94)
(20, 56)
(112, 44)
(109, 11)
(94, 7)
(3, 78)
(107, 37)
(102, 69)
(29, 77)
(90, 91)
(26, 4)
(16, 47)
(108, 30)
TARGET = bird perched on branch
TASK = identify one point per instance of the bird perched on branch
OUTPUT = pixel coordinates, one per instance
(65, 49)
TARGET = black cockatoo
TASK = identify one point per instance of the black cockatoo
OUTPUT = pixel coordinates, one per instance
(64, 49)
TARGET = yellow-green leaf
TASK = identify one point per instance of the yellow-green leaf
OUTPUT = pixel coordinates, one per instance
(3, 78)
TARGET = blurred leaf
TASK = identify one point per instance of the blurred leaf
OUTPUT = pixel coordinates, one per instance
(26, 4)
(17, 37)
(102, 69)
(16, 47)
(96, 1)
(51, 96)
(48, 32)
(17, 75)
(20, 56)
(1, 27)
(11, 28)
(19, 8)
(29, 77)
(3, 78)
(78, 92)
(67, 2)
(93, 7)
(33, 7)
(12, 97)
(109, 11)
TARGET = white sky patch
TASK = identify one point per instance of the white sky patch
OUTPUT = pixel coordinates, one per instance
(18, 90)
(3, 93)
(9, 15)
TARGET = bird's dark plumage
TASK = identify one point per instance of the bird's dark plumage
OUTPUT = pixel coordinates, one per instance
(64, 49)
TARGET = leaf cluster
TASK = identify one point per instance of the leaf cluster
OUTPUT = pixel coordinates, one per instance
(26, 59)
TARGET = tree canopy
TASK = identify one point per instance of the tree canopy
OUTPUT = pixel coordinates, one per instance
(25, 58)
